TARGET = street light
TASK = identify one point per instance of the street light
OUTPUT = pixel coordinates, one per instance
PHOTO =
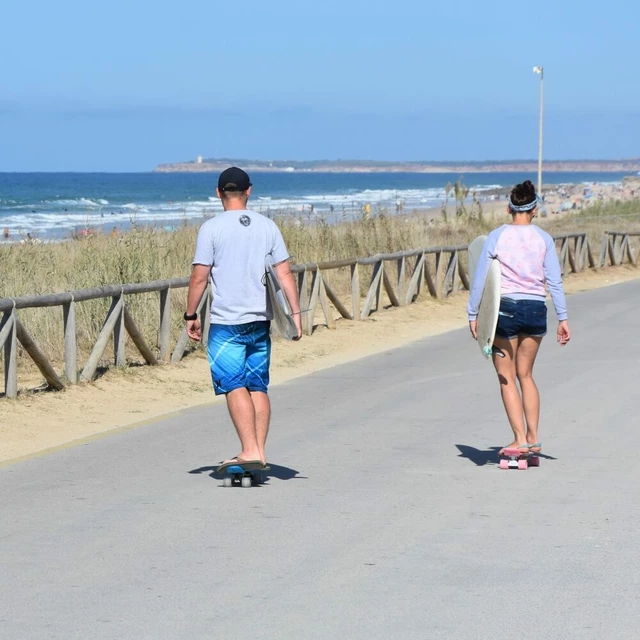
(540, 70)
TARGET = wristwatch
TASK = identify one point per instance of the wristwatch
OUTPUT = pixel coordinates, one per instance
(193, 316)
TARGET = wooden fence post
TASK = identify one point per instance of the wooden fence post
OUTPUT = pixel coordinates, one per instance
(571, 256)
(9, 338)
(630, 256)
(563, 256)
(337, 303)
(449, 282)
(464, 276)
(431, 284)
(602, 259)
(590, 257)
(413, 290)
(324, 304)
(578, 252)
(165, 323)
(623, 246)
(113, 316)
(30, 346)
(402, 284)
(388, 287)
(303, 295)
(70, 342)
(355, 292)
(374, 290)
(137, 339)
(119, 335)
(583, 252)
(310, 314)
(439, 274)
(612, 250)
(6, 323)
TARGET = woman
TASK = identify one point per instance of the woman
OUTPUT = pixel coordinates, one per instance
(528, 261)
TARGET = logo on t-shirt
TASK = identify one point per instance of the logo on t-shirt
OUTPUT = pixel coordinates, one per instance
(245, 221)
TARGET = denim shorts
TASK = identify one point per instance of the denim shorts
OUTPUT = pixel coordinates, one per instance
(239, 356)
(521, 317)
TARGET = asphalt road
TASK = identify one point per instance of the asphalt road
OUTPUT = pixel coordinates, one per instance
(385, 515)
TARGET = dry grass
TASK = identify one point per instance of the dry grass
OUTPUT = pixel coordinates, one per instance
(146, 254)
(600, 217)
(139, 256)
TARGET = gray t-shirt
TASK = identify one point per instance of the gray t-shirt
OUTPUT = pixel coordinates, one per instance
(235, 244)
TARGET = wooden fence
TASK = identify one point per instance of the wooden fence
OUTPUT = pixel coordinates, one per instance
(401, 277)
(615, 248)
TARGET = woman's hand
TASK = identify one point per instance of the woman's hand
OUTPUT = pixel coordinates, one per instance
(564, 333)
(473, 327)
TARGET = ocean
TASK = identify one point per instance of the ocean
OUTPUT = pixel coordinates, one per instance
(55, 205)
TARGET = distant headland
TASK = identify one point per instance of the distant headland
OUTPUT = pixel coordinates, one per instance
(204, 165)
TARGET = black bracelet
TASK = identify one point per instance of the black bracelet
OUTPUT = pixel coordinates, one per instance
(193, 316)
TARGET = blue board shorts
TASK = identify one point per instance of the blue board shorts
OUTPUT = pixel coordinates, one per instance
(521, 317)
(239, 356)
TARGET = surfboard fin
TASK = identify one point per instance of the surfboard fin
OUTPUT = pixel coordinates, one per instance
(493, 351)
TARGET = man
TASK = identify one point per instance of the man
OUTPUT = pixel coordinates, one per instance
(231, 250)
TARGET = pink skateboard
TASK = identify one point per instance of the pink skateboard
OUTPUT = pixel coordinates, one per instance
(517, 459)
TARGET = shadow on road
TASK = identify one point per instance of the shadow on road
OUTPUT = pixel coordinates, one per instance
(485, 457)
(275, 471)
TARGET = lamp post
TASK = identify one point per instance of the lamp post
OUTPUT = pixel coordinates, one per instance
(540, 70)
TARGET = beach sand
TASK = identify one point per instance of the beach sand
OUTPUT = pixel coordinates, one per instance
(126, 398)
(560, 201)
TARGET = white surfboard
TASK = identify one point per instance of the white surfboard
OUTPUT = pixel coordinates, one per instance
(490, 303)
(282, 323)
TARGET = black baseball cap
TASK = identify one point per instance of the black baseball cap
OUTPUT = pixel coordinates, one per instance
(233, 179)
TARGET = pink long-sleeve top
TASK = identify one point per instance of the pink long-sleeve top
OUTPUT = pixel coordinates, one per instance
(528, 261)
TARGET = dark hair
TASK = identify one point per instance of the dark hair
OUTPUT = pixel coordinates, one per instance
(523, 193)
(230, 194)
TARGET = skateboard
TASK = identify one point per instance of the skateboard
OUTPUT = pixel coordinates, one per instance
(236, 475)
(516, 459)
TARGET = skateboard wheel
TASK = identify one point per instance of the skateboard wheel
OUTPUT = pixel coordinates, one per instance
(522, 465)
(534, 461)
(504, 464)
(246, 482)
(227, 482)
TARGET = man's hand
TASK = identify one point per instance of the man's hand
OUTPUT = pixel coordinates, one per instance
(564, 333)
(473, 327)
(283, 271)
(194, 330)
(197, 286)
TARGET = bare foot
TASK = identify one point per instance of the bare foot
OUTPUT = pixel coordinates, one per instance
(241, 457)
(256, 455)
(514, 445)
(532, 438)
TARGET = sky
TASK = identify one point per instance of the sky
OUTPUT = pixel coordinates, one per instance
(123, 86)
